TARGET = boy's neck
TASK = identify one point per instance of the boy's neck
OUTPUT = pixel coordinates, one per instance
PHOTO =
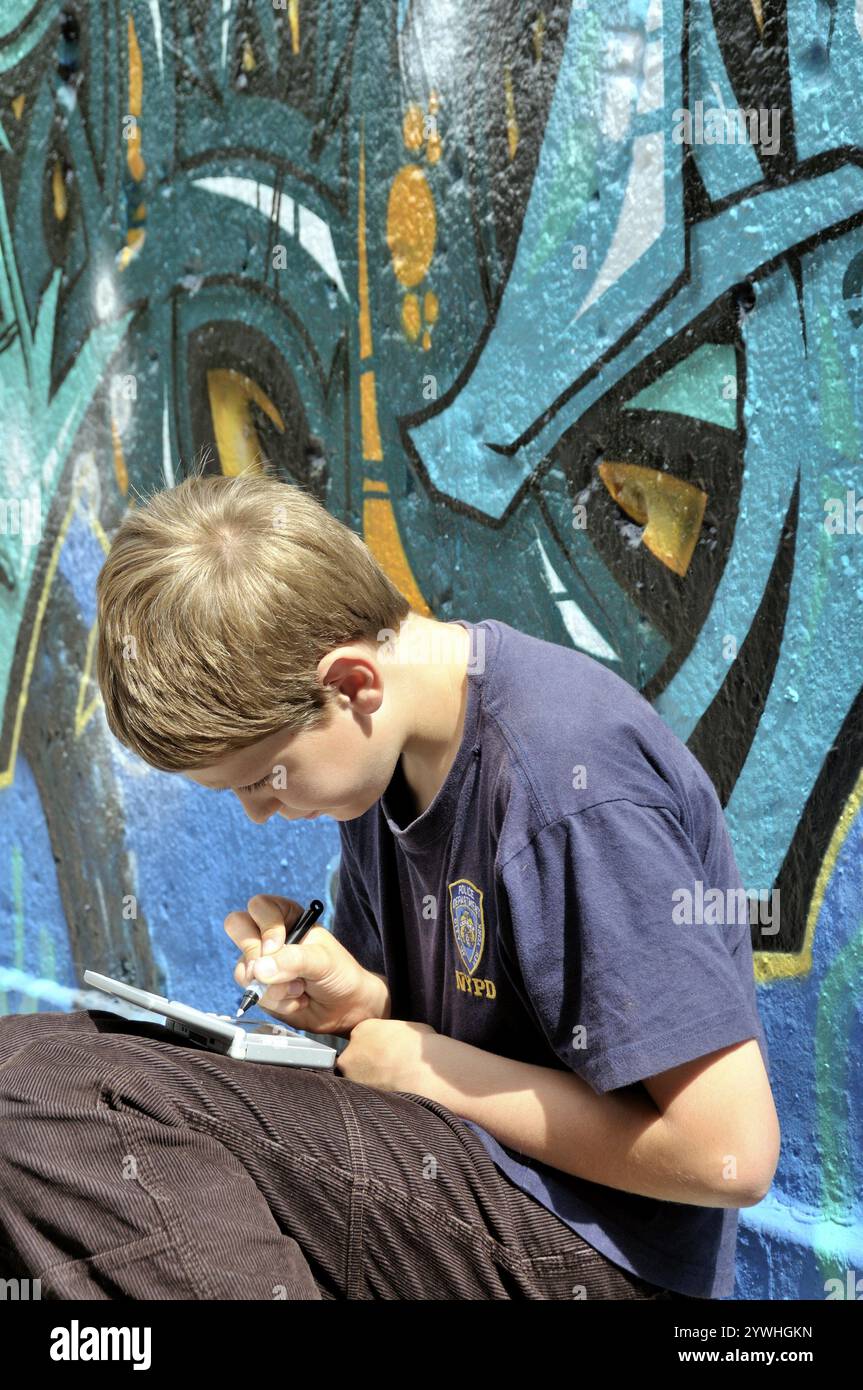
(432, 663)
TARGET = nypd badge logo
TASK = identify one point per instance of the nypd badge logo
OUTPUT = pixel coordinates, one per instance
(465, 906)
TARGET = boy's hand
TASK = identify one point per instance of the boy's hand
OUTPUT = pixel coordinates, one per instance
(316, 984)
(392, 1055)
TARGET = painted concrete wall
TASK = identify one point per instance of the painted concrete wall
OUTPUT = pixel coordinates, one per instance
(528, 298)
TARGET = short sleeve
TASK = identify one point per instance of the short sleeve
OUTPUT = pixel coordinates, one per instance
(622, 985)
(353, 920)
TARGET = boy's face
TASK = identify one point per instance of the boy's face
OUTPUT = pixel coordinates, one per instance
(339, 769)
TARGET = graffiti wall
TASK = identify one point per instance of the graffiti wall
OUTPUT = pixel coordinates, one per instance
(560, 305)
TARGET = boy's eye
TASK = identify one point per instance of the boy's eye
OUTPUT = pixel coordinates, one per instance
(255, 785)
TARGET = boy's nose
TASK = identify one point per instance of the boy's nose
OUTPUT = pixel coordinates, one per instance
(259, 814)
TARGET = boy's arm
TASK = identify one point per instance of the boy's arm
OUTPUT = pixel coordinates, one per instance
(706, 1136)
(652, 1012)
(728, 1086)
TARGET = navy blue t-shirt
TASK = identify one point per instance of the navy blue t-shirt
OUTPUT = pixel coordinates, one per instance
(548, 906)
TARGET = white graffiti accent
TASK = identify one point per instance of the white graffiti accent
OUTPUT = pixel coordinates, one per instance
(156, 17)
(580, 629)
(642, 215)
(65, 999)
(167, 462)
(314, 233)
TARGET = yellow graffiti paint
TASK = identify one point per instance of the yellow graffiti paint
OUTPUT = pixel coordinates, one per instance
(135, 236)
(231, 395)
(58, 191)
(380, 528)
(7, 774)
(134, 159)
(434, 144)
(121, 472)
(670, 510)
(758, 11)
(294, 21)
(369, 428)
(411, 316)
(381, 535)
(511, 121)
(538, 35)
(411, 225)
(777, 965)
(365, 321)
(411, 220)
(371, 433)
(84, 711)
(412, 127)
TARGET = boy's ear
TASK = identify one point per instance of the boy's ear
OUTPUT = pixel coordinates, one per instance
(354, 675)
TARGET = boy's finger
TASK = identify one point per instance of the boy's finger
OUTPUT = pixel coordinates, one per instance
(285, 1007)
(244, 932)
(244, 971)
(275, 916)
(305, 960)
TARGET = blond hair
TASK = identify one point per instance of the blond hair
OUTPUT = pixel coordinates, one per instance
(217, 601)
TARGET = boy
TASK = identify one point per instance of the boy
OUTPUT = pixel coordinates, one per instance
(553, 1085)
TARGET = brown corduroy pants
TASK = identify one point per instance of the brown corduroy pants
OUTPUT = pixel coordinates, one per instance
(136, 1166)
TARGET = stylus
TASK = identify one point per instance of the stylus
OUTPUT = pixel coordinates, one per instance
(258, 987)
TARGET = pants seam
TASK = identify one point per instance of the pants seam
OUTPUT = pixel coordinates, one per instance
(355, 1238)
(170, 1214)
(357, 1181)
(469, 1237)
(468, 1138)
(366, 1187)
(139, 1248)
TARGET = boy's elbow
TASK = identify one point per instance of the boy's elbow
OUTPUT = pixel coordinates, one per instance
(758, 1169)
(746, 1190)
(753, 1194)
(756, 1192)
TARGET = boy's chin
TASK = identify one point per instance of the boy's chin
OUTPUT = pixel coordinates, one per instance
(352, 812)
(339, 813)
